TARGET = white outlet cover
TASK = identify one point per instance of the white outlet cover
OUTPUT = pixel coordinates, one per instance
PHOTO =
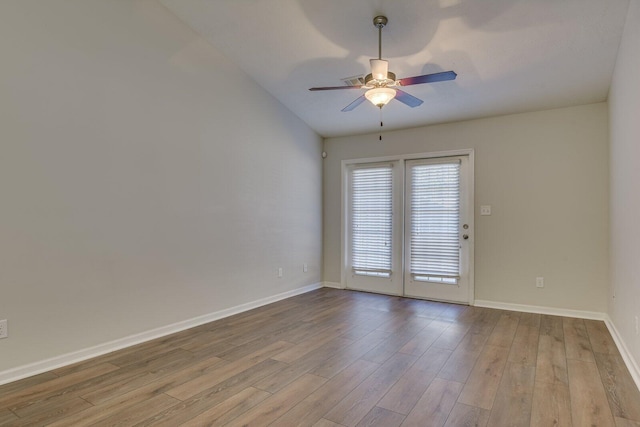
(485, 210)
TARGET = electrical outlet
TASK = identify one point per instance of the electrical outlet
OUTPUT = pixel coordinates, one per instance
(279, 271)
(304, 268)
(539, 282)
(4, 332)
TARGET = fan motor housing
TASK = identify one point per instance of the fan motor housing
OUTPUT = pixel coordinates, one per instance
(389, 81)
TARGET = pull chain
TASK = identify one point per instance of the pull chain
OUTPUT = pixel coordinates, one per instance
(380, 123)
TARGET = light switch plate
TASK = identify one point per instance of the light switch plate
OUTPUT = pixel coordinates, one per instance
(485, 210)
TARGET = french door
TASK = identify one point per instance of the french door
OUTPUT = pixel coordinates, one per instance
(436, 229)
(374, 197)
(409, 228)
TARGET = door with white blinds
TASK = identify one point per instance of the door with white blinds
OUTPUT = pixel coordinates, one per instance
(437, 229)
(373, 241)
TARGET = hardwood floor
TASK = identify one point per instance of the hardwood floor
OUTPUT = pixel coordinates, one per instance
(342, 358)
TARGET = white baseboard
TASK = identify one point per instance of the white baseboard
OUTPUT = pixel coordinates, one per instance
(631, 363)
(334, 285)
(592, 315)
(39, 367)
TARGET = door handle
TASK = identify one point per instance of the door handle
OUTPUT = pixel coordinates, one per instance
(465, 236)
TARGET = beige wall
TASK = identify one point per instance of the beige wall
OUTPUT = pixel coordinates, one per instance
(545, 174)
(624, 111)
(144, 179)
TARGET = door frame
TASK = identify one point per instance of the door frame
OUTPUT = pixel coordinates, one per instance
(400, 160)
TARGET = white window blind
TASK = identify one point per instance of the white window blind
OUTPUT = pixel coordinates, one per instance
(435, 213)
(371, 220)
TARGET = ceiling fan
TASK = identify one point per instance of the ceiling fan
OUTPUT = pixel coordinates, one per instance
(381, 84)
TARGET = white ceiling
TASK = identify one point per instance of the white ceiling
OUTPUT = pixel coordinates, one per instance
(510, 55)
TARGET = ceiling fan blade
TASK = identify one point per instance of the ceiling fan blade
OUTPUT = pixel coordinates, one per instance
(359, 100)
(428, 78)
(335, 87)
(407, 99)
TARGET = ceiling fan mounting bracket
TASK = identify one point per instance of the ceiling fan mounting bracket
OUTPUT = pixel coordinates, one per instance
(380, 21)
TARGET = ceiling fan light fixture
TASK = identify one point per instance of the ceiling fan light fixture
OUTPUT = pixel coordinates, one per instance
(381, 84)
(380, 96)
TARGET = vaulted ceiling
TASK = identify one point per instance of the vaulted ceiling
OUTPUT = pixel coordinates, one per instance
(510, 55)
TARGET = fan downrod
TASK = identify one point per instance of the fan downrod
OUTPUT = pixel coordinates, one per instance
(379, 22)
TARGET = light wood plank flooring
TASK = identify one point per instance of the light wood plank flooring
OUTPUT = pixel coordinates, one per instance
(342, 358)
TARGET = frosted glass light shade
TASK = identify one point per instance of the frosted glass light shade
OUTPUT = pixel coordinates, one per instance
(380, 96)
